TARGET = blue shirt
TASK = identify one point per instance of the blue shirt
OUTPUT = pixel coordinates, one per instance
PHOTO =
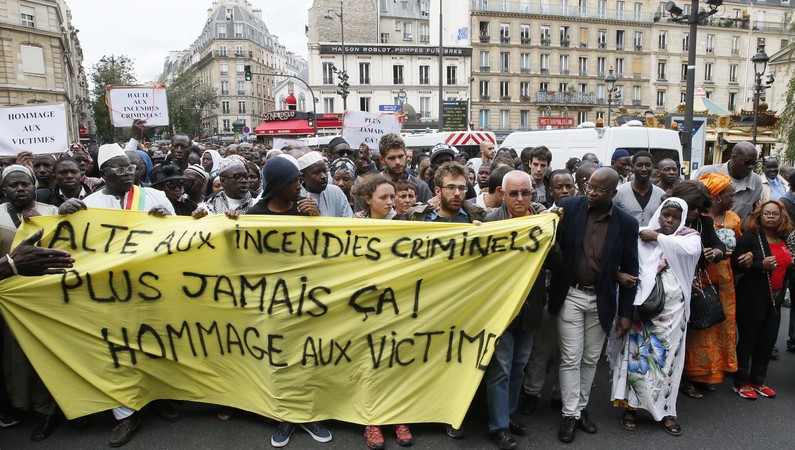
(461, 217)
(777, 189)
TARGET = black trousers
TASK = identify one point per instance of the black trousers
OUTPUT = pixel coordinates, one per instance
(756, 339)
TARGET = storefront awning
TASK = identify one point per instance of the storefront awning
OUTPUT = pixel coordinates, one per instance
(284, 128)
(735, 138)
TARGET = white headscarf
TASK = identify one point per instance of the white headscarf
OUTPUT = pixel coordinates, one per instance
(216, 157)
(681, 249)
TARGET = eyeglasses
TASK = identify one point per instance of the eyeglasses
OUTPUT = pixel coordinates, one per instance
(598, 190)
(771, 213)
(174, 184)
(524, 193)
(122, 170)
(237, 176)
(454, 188)
(747, 162)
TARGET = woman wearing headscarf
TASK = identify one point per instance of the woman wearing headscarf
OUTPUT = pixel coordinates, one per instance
(712, 352)
(146, 178)
(211, 160)
(761, 260)
(343, 175)
(647, 363)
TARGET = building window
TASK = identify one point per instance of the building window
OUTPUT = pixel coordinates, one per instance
(224, 69)
(222, 50)
(733, 73)
(638, 11)
(524, 119)
(425, 33)
(425, 107)
(600, 115)
(661, 99)
(619, 67)
(27, 16)
(224, 107)
(241, 88)
(238, 50)
(600, 66)
(684, 72)
(662, 40)
(224, 88)
(583, 88)
(221, 30)
(735, 45)
(238, 30)
(364, 73)
(544, 63)
(407, 34)
(484, 118)
(328, 105)
(601, 39)
(582, 116)
(545, 39)
(525, 59)
(241, 107)
(543, 86)
(504, 62)
(505, 116)
(239, 68)
(484, 89)
(505, 33)
(732, 101)
(600, 93)
(485, 62)
(364, 104)
(504, 90)
(230, 14)
(564, 64)
(708, 72)
(227, 124)
(661, 71)
(452, 75)
(32, 59)
(638, 40)
(425, 74)
(384, 38)
(565, 37)
(525, 34)
(620, 40)
(397, 74)
(686, 42)
(328, 73)
(397, 25)
(710, 43)
(583, 67)
(524, 89)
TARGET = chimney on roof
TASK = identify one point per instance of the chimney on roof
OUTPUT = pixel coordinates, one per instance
(257, 13)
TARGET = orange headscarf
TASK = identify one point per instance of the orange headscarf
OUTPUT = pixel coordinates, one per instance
(715, 182)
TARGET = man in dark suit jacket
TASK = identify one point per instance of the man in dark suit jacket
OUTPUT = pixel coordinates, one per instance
(597, 240)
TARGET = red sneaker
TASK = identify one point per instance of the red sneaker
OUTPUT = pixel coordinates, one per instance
(746, 392)
(375, 440)
(764, 391)
(404, 437)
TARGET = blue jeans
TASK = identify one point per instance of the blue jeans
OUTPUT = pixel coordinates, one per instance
(505, 375)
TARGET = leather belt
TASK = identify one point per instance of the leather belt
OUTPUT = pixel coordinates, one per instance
(590, 290)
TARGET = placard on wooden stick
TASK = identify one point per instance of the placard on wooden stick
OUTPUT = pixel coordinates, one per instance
(146, 102)
(37, 129)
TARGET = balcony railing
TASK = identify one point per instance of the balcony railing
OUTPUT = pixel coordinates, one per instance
(636, 103)
(485, 68)
(565, 43)
(638, 48)
(505, 39)
(567, 97)
(525, 70)
(546, 41)
(425, 38)
(619, 46)
(397, 80)
(601, 44)
(525, 40)
(559, 10)
(564, 72)
(735, 51)
(504, 70)
(761, 25)
(544, 71)
(485, 38)
(583, 73)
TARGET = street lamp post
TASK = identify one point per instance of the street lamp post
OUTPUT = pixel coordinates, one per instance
(610, 82)
(330, 16)
(760, 60)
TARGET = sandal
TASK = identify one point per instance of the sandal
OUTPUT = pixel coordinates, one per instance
(691, 391)
(629, 420)
(671, 426)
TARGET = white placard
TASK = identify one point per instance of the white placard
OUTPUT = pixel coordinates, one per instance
(127, 103)
(363, 127)
(37, 129)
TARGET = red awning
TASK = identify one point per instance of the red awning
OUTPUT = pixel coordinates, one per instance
(284, 127)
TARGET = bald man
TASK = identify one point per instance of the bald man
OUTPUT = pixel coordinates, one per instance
(487, 152)
(596, 238)
(747, 184)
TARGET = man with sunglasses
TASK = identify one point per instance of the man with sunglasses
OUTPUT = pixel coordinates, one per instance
(174, 184)
(505, 373)
(235, 198)
(747, 184)
(596, 239)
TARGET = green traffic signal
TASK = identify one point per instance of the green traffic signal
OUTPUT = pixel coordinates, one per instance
(247, 70)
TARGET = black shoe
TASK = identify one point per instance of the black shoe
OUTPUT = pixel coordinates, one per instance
(44, 428)
(567, 429)
(504, 440)
(790, 347)
(454, 433)
(528, 404)
(9, 419)
(585, 424)
(774, 354)
(124, 430)
(167, 411)
(517, 428)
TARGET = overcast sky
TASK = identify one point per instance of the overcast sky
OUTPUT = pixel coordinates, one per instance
(146, 30)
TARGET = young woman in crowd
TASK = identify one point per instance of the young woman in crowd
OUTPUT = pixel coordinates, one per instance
(210, 161)
(377, 193)
(254, 179)
(712, 352)
(763, 259)
(648, 362)
(406, 196)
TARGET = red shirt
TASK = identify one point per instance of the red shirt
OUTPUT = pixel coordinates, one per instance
(784, 260)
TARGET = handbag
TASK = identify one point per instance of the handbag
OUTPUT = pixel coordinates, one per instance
(706, 309)
(654, 303)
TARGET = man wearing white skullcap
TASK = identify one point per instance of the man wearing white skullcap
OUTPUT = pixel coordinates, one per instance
(330, 200)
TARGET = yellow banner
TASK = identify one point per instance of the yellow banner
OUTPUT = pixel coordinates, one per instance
(298, 319)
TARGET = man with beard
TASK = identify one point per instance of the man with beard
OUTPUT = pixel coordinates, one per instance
(121, 193)
(669, 174)
(235, 196)
(621, 162)
(67, 184)
(450, 184)
(329, 199)
(487, 152)
(393, 157)
(25, 389)
(43, 169)
(639, 198)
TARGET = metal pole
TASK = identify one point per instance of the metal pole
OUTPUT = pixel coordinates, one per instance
(342, 38)
(609, 104)
(757, 94)
(691, 83)
(441, 67)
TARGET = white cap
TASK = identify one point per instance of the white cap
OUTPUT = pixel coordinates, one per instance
(309, 159)
(289, 158)
(107, 152)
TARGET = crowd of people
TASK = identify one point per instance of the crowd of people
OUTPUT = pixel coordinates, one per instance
(683, 280)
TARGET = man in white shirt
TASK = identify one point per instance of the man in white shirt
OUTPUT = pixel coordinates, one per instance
(487, 152)
(330, 200)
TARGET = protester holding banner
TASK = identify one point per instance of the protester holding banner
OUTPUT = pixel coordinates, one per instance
(67, 183)
(174, 184)
(235, 196)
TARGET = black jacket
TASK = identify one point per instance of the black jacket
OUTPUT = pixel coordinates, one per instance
(533, 307)
(619, 251)
(52, 196)
(753, 288)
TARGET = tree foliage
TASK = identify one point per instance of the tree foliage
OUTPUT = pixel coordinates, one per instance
(188, 100)
(787, 116)
(110, 70)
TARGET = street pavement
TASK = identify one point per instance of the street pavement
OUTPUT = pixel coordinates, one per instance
(721, 420)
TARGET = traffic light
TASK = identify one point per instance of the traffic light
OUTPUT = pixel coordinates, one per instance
(247, 70)
(310, 119)
(343, 85)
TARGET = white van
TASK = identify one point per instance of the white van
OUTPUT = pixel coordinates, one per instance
(587, 138)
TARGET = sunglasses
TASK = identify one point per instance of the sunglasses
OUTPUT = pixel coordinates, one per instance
(122, 170)
(174, 184)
